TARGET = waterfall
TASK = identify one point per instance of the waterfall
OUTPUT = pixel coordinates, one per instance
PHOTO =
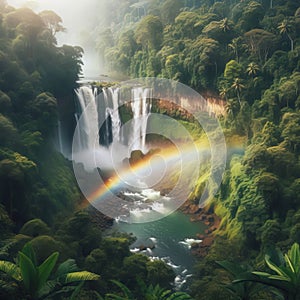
(89, 117)
(141, 109)
(100, 114)
(78, 136)
(114, 114)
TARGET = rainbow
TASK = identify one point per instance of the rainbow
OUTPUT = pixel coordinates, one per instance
(169, 155)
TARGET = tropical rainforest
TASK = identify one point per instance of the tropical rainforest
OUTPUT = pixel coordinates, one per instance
(246, 53)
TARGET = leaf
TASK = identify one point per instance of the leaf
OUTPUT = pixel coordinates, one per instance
(294, 255)
(66, 267)
(76, 291)
(29, 272)
(10, 269)
(264, 274)
(45, 269)
(232, 268)
(179, 296)
(81, 275)
(277, 277)
(116, 297)
(124, 289)
(275, 268)
(29, 252)
(289, 263)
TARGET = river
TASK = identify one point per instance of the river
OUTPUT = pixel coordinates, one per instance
(171, 238)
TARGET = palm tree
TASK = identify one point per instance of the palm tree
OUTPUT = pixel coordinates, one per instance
(252, 69)
(232, 107)
(285, 28)
(238, 87)
(224, 92)
(235, 46)
(224, 25)
(36, 278)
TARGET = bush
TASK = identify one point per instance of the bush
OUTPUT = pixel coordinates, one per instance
(35, 228)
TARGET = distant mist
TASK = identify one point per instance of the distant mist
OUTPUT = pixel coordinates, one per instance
(81, 19)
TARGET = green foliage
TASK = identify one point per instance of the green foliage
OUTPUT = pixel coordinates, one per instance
(241, 290)
(35, 278)
(286, 277)
(149, 32)
(35, 228)
(148, 293)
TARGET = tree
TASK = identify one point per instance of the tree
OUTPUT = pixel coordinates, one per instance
(186, 25)
(149, 32)
(52, 22)
(238, 87)
(219, 30)
(223, 92)
(252, 69)
(233, 70)
(170, 9)
(236, 46)
(225, 25)
(260, 43)
(285, 27)
(252, 14)
(44, 109)
(8, 133)
(5, 103)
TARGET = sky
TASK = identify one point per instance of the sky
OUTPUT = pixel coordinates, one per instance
(78, 19)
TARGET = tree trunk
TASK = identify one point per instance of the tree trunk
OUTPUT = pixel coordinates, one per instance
(292, 42)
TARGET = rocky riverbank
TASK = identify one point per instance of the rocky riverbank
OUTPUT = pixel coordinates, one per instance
(211, 220)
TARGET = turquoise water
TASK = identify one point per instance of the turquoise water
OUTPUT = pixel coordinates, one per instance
(168, 236)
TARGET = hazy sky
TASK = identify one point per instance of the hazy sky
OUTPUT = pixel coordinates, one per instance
(78, 17)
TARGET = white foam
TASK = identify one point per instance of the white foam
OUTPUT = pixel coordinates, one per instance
(151, 194)
(149, 251)
(138, 212)
(135, 250)
(153, 239)
(159, 207)
(189, 242)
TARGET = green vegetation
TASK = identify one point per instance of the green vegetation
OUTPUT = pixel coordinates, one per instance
(285, 280)
(45, 239)
(35, 279)
(244, 52)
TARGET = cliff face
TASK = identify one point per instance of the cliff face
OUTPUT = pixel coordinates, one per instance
(185, 107)
(212, 105)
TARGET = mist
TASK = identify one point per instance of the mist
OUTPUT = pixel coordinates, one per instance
(81, 19)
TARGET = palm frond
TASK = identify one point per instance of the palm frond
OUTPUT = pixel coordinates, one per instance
(66, 267)
(10, 269)
(80, 276)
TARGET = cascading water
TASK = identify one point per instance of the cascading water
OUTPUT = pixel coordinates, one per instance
(141, 109)
(96, 108)
(88, 130)
(114, 114)
(100, 119)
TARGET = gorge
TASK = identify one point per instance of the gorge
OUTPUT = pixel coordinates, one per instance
(110, 132)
